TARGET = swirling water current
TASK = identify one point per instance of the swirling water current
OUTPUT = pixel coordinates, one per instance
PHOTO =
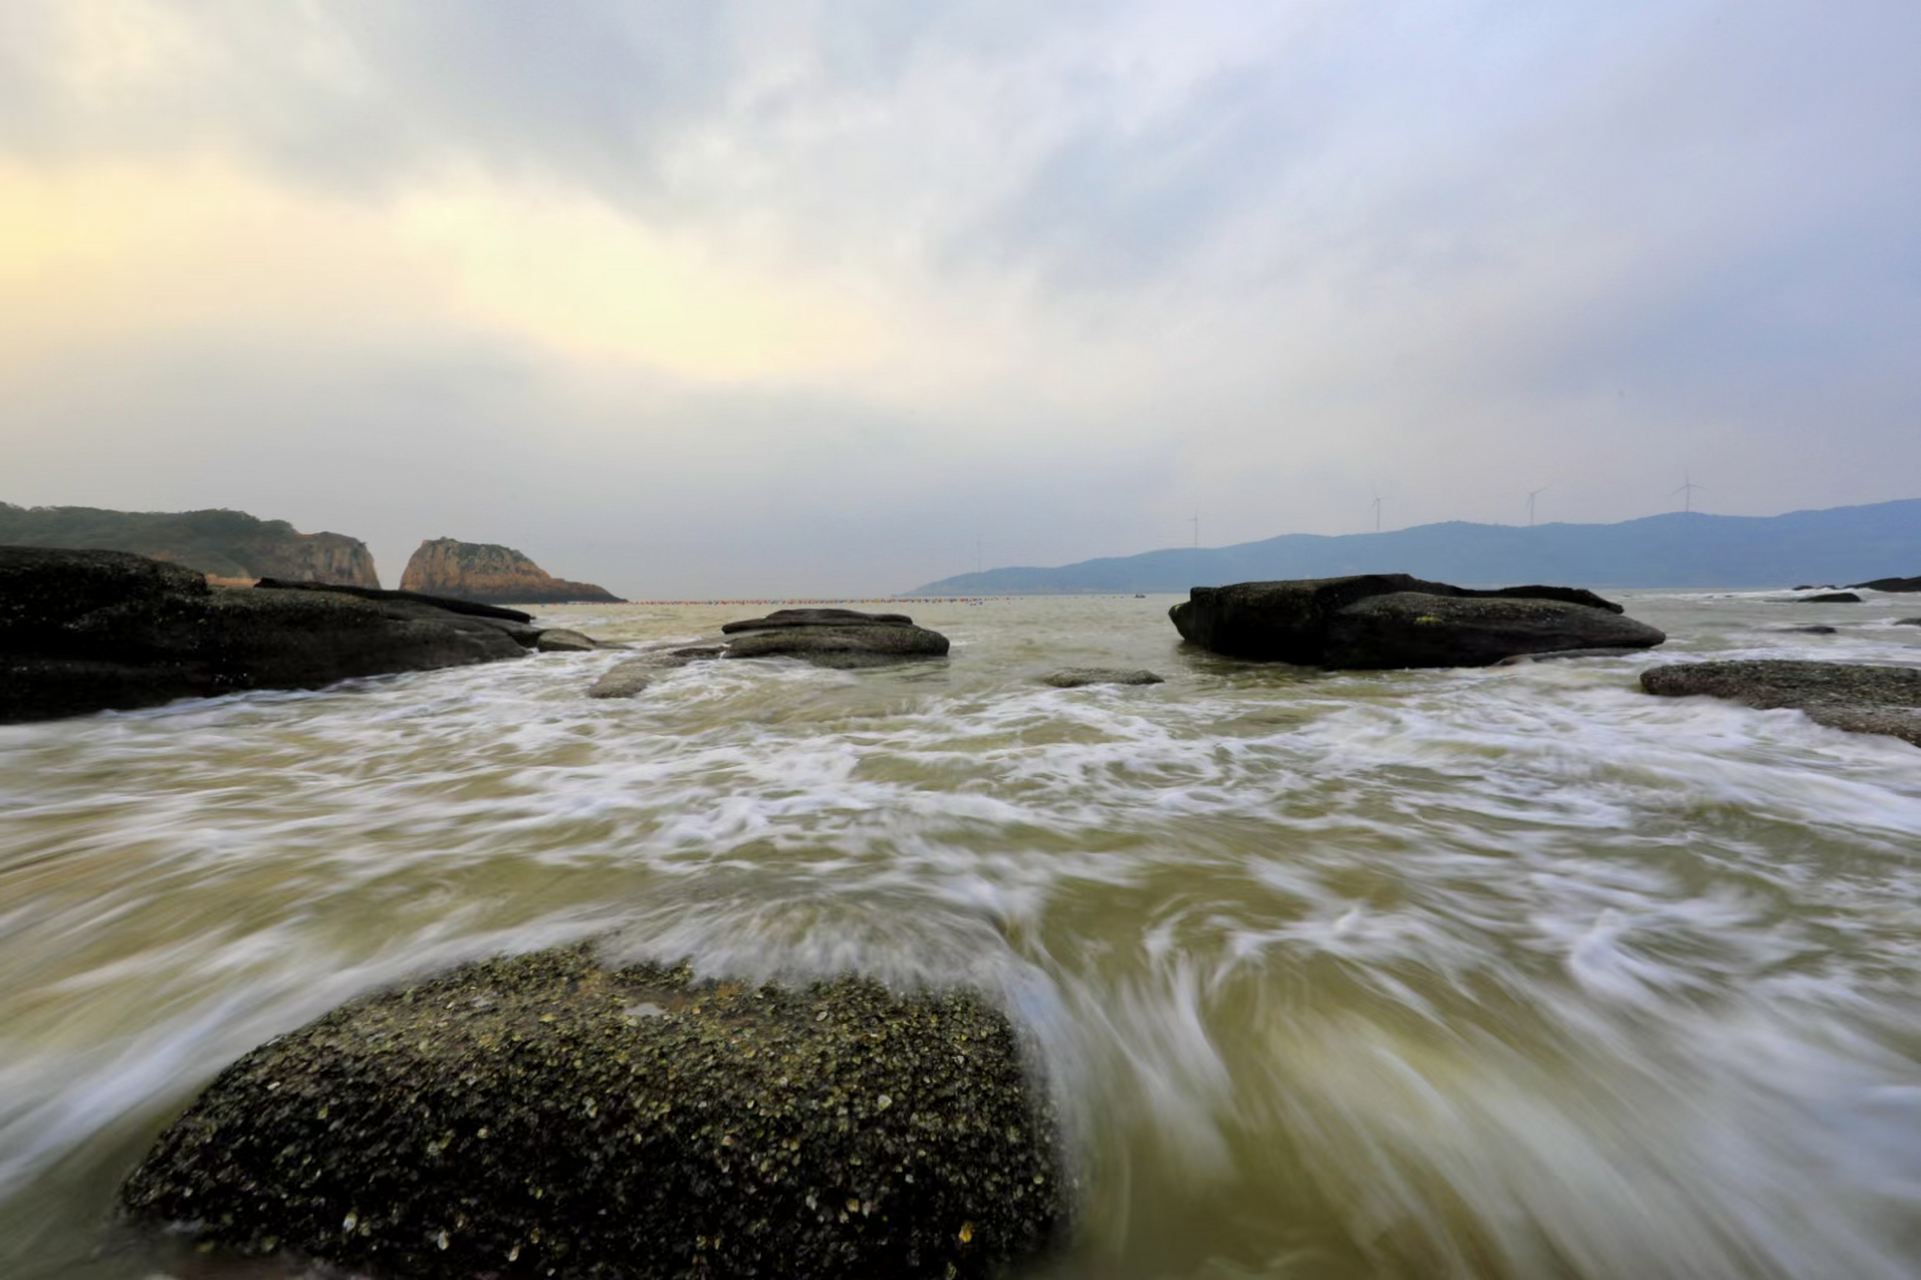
(1514, 972)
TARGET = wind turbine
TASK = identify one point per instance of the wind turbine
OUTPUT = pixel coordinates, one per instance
(1531, 494)
(1377, 513)
(1687, 490)
(1196, 522)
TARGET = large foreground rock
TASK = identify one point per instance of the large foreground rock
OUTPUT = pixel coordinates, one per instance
(84, 631)
(549, 1115)
(1841, 695)
(1389, 620)
(834, 638)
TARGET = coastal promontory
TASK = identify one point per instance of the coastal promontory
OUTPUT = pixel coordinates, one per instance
(492, 574)
(225, 545)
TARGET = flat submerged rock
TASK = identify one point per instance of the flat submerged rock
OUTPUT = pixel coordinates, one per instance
(1842, 695)
(549, 1114)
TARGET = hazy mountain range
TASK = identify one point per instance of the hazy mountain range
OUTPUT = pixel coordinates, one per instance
(1679, 549)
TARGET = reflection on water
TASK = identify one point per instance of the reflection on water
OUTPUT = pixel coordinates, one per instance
(1504, 973)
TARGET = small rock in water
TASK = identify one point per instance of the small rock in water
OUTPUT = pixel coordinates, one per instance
(561, 640)
(1907, 622)
(1830, 597)
(1075, 677)
(834, 638)
(625, 679)
(1808, 631)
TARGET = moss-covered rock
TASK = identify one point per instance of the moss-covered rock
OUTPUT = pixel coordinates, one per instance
(549, 1114)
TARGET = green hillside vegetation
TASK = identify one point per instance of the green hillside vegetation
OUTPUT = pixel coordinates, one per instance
(228, 544)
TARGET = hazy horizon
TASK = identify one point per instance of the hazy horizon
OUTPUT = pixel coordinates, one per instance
(844, 297)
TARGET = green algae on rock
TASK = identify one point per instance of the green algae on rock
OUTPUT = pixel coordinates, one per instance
(549, 1114)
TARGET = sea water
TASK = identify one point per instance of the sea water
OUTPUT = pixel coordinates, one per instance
(1514, 972)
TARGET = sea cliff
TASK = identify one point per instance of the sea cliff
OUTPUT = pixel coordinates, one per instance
(228, 545)
(491, 574)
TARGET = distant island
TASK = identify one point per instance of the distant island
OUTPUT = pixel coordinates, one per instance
(487, 573)
(1679, 549)
(227, 545)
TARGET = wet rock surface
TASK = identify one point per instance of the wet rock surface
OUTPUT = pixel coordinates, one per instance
(562, 640)
(469, 608)
(1077, 677)
(834, 638)
(1374, 621)
(550, 1114)
(84, 631)
(626, 679)
(1558, 655)
(1841, 695)
(1830, 597)
(1889, 584)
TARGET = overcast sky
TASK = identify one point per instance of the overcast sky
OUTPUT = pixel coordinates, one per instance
(832, 296)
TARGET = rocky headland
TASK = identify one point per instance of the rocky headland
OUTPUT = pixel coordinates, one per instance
(1391, 620)
(84, 631)
(229, 545)
(554, 1114)
(488, 573)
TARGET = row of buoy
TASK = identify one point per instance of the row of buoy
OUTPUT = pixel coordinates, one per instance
(835, 600)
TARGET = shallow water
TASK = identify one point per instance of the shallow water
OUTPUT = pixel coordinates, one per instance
(1502, 973)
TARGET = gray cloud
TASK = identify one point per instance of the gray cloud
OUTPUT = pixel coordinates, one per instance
(1451, 251)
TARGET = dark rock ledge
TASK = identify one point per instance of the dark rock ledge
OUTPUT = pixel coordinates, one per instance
(552, 1115)
(1389, 620)
(833, 638)
(84, 631)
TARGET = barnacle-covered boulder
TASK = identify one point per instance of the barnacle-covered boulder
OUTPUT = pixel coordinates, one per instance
(555, 1115)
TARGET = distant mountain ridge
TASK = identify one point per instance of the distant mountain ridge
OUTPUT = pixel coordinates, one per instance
(487, 573)
(1678, 549)
(225, 544)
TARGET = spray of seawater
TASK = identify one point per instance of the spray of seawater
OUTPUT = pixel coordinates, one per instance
(1512, 973)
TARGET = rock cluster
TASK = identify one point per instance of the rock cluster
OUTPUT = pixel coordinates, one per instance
(552, 1115)
(1391, 620)
(84, 631)
(833, 638)
(485, 572)
(1841, 695)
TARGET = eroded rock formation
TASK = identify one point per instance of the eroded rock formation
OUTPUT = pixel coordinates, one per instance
(493, 574)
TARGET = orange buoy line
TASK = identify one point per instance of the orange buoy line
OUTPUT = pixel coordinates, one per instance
(835, 600)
